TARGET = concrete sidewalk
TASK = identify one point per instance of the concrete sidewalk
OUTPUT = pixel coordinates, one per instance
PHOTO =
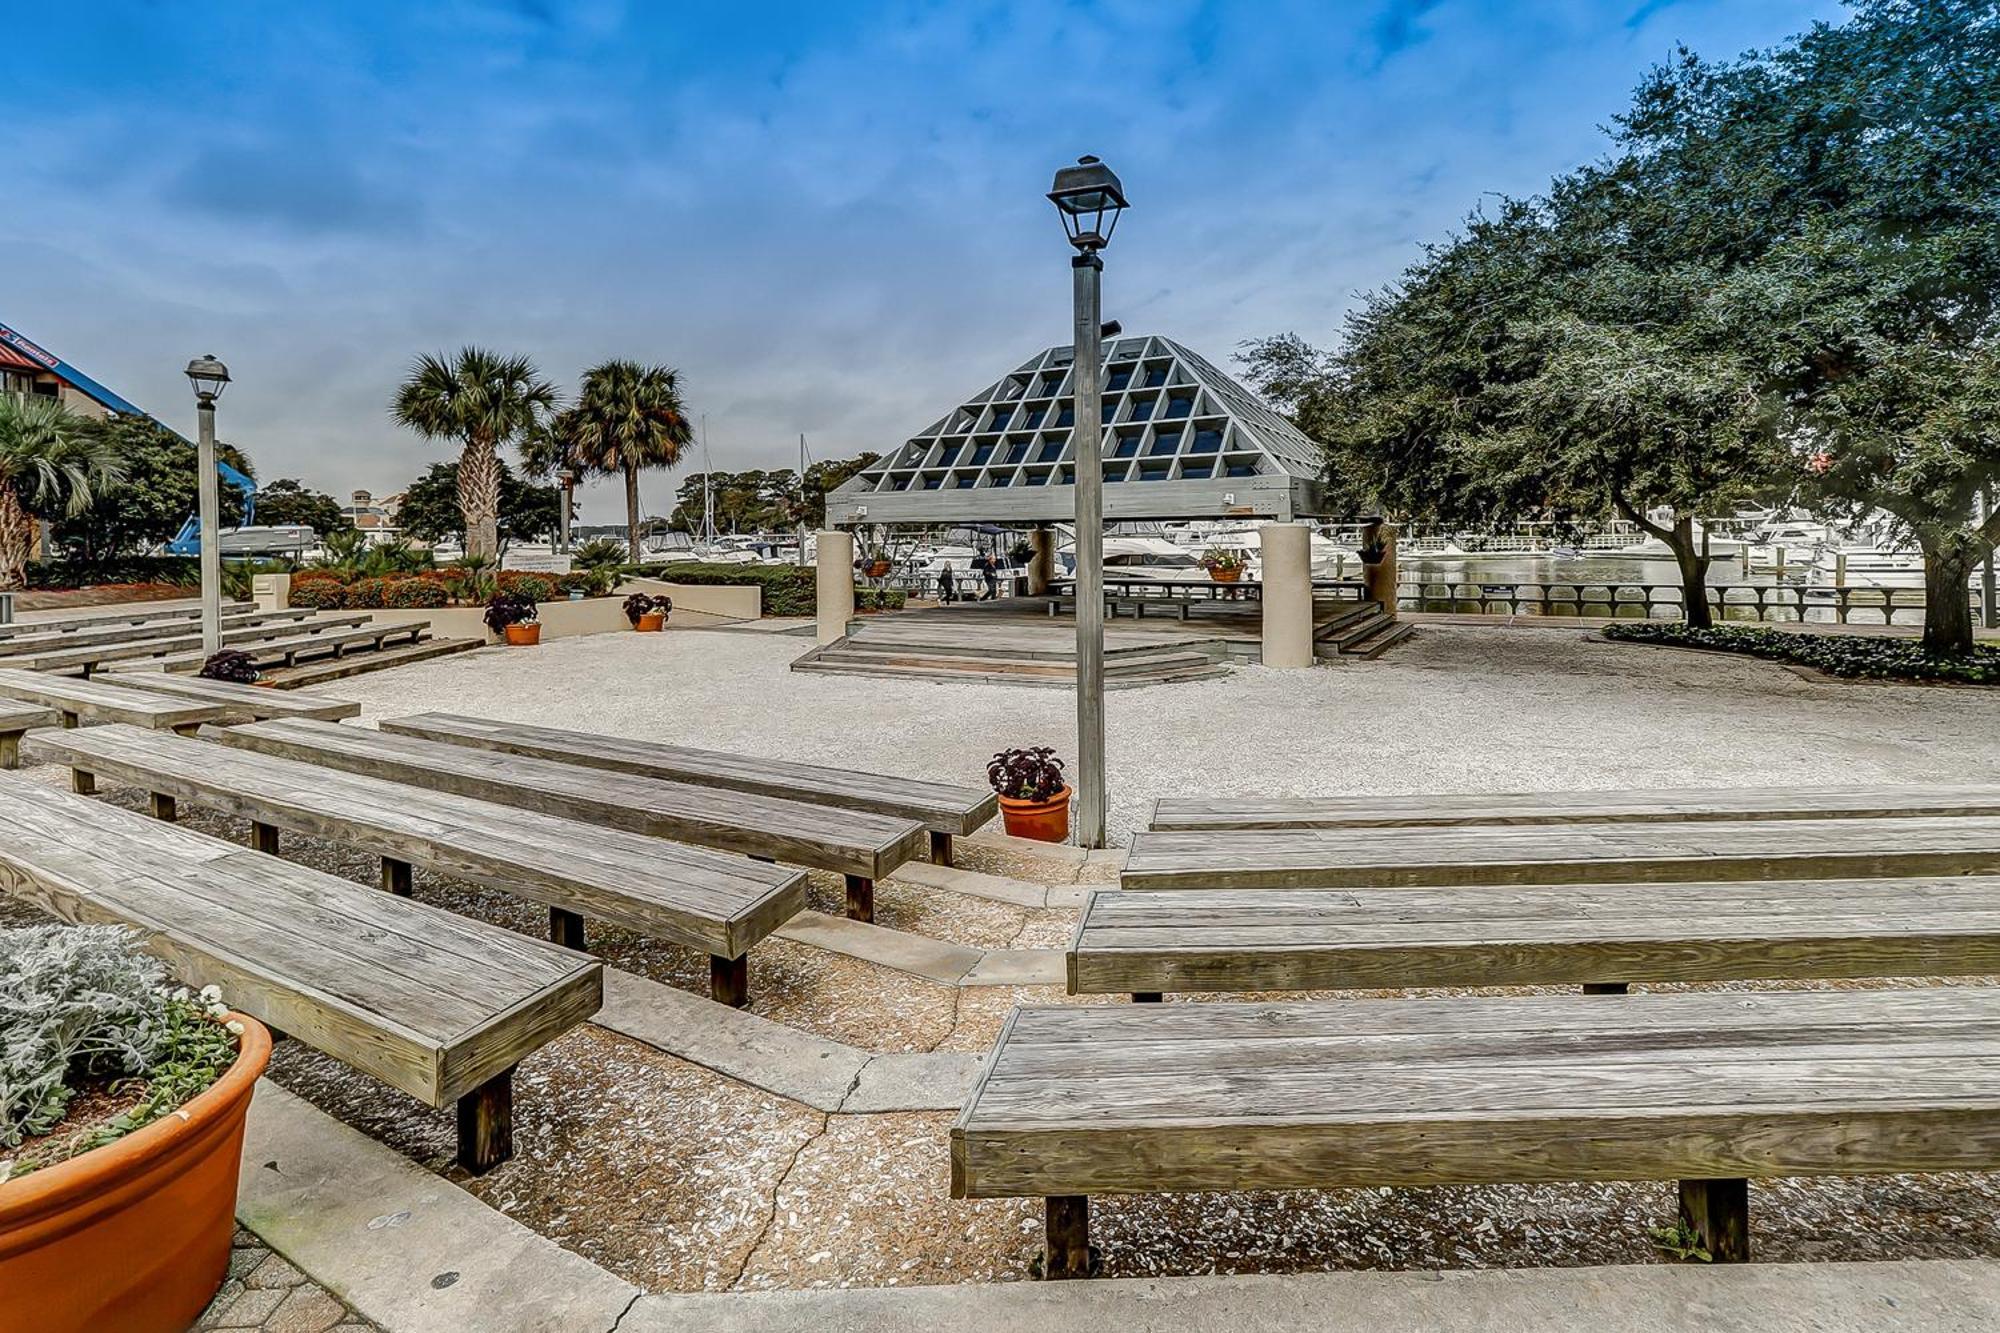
(1937, 1297)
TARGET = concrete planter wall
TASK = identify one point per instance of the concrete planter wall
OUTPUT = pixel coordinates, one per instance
(563, 619)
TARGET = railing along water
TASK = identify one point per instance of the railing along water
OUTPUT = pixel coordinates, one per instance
(1825, 603)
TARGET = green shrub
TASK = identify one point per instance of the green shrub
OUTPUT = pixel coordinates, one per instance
(879, 599)
(788, 590)
(1864, 656)
(180, 570)
(536, 587)
(411, 593)
(368, 594)
(319, 595)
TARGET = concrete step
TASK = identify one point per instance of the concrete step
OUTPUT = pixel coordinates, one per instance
(355, 663)
(1381, 641)
(972, 674)
(1151, 661)
(1353, 632)
(1356, 612)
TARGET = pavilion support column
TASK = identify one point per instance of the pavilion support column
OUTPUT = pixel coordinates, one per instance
(836, 584)
(1378, 564)
(1288, 595)
(1042, 564)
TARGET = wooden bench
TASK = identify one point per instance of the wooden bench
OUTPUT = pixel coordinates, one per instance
(1083, 1100)
(861, 847)
(947, 811)
(434, 1004)
(1665, 805)
(131, 613)
(15, 645)
(710, 901)
(1565, 853)
(1600, 936)
(75, 700)
(184, 651)
(243, 701)
(15, 720)
(288, 651)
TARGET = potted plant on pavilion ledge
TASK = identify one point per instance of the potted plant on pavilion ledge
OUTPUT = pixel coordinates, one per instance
(122, 1107)
(512, 616)
(1034, 798)
(1223, 566)
(876, 564)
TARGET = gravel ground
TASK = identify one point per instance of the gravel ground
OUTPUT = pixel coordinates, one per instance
(1453, 709)
(679, 1179)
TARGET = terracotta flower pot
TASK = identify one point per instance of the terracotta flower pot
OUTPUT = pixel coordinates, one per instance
(1225, 575)
(134, 1235)
(878, 569)
(1043, 821)
(524, 636)
(652, 622)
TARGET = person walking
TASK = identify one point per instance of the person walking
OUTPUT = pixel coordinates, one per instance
(989, 569)
(947, 585)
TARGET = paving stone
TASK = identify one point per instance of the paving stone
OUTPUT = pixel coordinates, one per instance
(306, 1310)
(974, 883)
(248, 1309)
(275, 1272)
(244, 1259)
(917, 955)
(1018, 967)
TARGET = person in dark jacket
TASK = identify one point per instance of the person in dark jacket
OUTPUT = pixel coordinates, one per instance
(989, 570)
(947, 585)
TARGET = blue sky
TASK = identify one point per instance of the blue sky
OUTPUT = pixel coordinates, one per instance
(828, 216)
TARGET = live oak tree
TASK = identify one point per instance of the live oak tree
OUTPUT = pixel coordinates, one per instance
(286, 502)
(1846, 189)
(484, 401)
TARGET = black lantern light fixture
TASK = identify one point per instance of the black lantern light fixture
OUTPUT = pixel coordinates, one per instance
(209, 377)
(1090, 198)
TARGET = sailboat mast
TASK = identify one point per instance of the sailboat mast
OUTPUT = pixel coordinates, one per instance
(707, 485)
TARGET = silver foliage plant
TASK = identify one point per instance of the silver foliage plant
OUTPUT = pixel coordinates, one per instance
(73, 999)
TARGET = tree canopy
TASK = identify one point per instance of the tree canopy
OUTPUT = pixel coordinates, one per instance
(287, 501)
(483, 400)
(155, 493)
(627, 418)
(763, 501)
(430, 511)
(1783, 278)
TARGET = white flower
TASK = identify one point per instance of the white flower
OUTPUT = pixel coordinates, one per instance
(234, 1027)
(218, 1010)
(181, 995)
(211, 993)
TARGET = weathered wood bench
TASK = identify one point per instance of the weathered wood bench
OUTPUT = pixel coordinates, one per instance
(437, 1005)
(132, 613)
(1084, 1100)
(947, 811)
(74, 700)
(15, 721)
(707, 900)
(1664, 805)
(289, 651)
(185, 646)
(15, 645)
(253, 702)
(859, 846)
(1564, 853)
(1602, 937)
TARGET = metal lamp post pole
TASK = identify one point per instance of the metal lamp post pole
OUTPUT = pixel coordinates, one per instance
(1088, 272)
(211, 538)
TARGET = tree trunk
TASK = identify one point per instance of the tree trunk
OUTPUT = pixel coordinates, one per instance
(632, 511)
(479, 497)
(17, 538)
(1693, 564)
(1947, 604)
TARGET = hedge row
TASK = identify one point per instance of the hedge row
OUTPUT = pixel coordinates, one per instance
(176, 569)
(331, 590)
(1866, 656)
(788, 590)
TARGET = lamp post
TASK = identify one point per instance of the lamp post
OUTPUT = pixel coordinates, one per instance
(209, 377)
(566, 481)
(1090, 198)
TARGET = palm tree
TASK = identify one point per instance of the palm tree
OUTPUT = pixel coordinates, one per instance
(48, 464)
(484, 400)
(627, 417)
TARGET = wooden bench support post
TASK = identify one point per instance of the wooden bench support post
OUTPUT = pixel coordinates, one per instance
(188, 732)
(1718, 1211)
(486, 1124)
(10, 750)
(1147, 996)
(397, 876)
(1606, 987)
(940, 848)
(1066, 1247)
(162, 805)
(860, 898)
(566, 928)
(82, 782)
(71, 721)
(729, 980)
(264, 838)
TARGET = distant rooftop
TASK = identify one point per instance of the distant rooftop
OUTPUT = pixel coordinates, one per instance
(1182, 440)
